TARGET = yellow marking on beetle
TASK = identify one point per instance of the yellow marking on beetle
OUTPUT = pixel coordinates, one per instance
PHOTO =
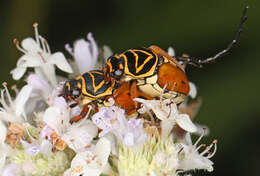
(110, 66)
(150, 57)
(79, 77)
(93, 82)
(90, 97)
(97, 72)
(107, 92)
(149, 73)
(117, 56)
(68, 85)
(87, 100)
(83, 88)
(121, 66)
(79, 85)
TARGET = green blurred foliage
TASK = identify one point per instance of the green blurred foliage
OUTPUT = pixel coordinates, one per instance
(201, 28)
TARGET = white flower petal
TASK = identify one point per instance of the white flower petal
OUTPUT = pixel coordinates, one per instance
(46, 132)
(60, 103)
(83, 57)
(29, 60)
(183, 120)
(60, 61)
(39, 72)
(3, 131)
(86, 54)
(202, 130)
(193, 90)
(49, 73)
(18, 72)
(107, 52)
(2, 160)
(12, 170)
(30, 45)
(91, 163)
(113, 142)
(54, 118)
(103, 149)
(85, 163)
(79, 136)
(32, 150)
(160, 110)
(166, 126)
(128, 139)
(46, 147)
(102, 120)
(193, 160)
(21, 99)
(93, 46)
(68, 173)
(39, 85)
(10, 117)
(171, 51)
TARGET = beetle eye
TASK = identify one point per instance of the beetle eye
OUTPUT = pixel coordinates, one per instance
(75, 93)
(118, 72)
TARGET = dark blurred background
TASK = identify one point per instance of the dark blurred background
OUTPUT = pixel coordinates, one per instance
(200, 28)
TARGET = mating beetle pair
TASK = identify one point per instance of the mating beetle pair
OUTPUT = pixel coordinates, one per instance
(145, 72)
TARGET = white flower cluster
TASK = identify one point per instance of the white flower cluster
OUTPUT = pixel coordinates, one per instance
(37, 138)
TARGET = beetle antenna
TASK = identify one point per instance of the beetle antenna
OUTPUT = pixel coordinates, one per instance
(200, 62)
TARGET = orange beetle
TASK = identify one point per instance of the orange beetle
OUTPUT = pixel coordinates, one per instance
(156, 73)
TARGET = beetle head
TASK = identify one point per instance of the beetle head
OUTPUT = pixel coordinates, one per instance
(72, 89)
(114, 67)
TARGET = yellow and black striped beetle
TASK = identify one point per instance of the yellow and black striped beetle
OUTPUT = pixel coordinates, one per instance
(157, 73)
(154, 70)
(87, 88)
(91, 88)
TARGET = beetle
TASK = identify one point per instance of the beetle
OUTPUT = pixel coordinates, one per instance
(154, 70)
(89, 88)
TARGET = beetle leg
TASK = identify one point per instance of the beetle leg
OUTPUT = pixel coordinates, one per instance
(85, 111)
(125, 94)
(135, 92)
(123, 98)
(159, 51)
(73, 105)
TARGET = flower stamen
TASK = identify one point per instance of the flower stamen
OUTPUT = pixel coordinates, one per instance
(215, 149)
(201, 145)
(45, 45)
(35, 26)
(4, 84)
(163, 90)
(42, 43)
(15, 89)
(201, 136)
(17, 44)
(214, 143)
(41, 55)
